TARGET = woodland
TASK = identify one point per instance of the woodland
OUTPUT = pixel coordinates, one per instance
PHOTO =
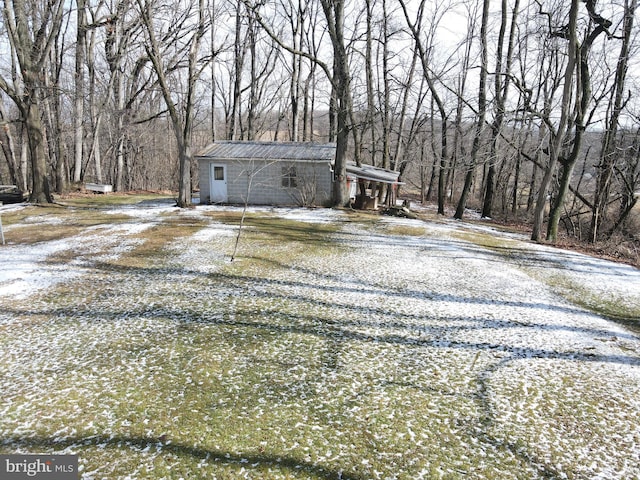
(524, 110)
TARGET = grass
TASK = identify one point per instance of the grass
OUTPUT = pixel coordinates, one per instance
(274, 367)
(614, 307)
(111, 199)
(405, 230)
(34, 224)
(489, 241)
(153, 242)
(274, 231)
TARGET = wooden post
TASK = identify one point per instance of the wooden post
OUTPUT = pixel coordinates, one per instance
(1, 231)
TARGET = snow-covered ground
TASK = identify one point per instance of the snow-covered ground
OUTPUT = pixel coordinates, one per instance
(443, 358)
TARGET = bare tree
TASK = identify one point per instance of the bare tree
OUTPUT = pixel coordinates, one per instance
(597, 25)
(339, 76)
(460, 128)
(52, 105)
(120, 31)
(78, 102)
(16, 175)
(482, 109)
(404, 138)
(31, 37)
(628, 177)
(424, 49)
(240, 47)
(609, 153)
(185, 32)
(96, 111)
(560, 131)
(296, 19)
(341, 83)
(313, 39)
(502, 82)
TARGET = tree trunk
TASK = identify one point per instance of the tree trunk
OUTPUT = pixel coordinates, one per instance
(8, 148)
(608, 154)
(181, 115)
(334, 13)
(31, 38)
(95, 112)
(501, 83)
(424, 53)
(40, 190)
(239, 50)
(78, 101)
(458, 134)
(120, 146)
(516, 184)
(583, 98)
(559, 134)
(482, 108)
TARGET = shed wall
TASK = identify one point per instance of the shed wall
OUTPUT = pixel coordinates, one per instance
(313, 181)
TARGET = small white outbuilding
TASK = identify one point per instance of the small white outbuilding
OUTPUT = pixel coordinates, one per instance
(266, 173)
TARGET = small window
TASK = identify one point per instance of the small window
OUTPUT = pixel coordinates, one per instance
(289, 177)
(218, 173)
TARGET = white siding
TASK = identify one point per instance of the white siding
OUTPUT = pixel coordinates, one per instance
(313, 182)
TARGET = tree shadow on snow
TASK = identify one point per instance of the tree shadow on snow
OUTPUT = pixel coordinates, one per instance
(211, 456)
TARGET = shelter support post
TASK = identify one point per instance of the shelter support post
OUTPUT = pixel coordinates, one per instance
(1, 231)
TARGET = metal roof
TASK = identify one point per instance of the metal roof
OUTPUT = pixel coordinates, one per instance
(374, 174)
(253, 150)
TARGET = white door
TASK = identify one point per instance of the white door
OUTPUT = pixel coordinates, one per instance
(218, 183)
